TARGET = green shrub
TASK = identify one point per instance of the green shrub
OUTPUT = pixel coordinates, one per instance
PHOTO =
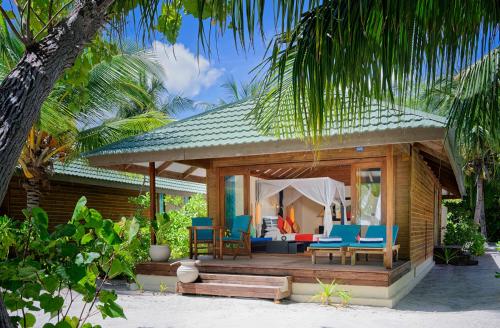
(176, 233)
(50, 268)
(461, 229)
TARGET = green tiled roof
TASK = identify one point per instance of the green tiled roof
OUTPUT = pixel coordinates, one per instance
(79, 168)
(231, 125)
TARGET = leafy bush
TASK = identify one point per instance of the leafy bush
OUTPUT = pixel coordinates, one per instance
(51, 268)
(462, 230)
(176, 234)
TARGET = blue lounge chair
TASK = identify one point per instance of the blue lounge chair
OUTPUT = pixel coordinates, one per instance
(374, 231)
(201, 237)
(239, 236)
(348, 233)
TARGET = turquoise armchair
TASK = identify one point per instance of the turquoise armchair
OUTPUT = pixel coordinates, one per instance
(201, 237)
(239, 236)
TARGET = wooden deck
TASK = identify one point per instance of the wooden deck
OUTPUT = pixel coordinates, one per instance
(299, 267)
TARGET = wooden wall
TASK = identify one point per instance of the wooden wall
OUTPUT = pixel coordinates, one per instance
(402, 200)
(60, 199)
(422, 198)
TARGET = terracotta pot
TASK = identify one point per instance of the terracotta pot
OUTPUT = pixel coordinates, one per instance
(188, 272)
(159, 253)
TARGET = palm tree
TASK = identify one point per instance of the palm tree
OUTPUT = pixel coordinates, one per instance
(69, 125)
(240, 91)
(472, 103)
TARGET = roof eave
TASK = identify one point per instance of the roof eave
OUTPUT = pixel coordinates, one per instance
(372, 138)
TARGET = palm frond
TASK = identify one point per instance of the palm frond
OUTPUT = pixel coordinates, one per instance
(117, 129)
(342, 55)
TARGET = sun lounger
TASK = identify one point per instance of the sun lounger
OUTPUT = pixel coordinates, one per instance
(347, 234)
(375, 231)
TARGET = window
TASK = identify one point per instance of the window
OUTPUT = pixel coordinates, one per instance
(234, 197)
(369, 201)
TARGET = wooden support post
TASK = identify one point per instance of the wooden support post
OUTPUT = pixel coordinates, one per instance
(390, 206)
(152, 197)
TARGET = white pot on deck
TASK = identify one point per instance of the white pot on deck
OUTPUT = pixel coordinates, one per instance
(159, 253)
(188, 272)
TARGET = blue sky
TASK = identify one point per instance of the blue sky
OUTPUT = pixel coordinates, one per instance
(200, 78)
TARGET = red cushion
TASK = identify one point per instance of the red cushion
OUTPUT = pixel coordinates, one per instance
(281, 225)
(304, 237)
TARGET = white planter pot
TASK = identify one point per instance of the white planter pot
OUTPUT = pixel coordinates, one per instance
(159, 253)
(188, 272)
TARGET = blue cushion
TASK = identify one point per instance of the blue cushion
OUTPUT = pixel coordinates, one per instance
(379, 231)
(255, 240)
(347, 232)
(367, 245)
(240, 223)
(328, 245)
(205, 234)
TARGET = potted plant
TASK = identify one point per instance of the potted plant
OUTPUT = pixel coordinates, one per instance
(159, 250)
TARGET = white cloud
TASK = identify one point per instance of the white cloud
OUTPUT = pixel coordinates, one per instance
(185, 74)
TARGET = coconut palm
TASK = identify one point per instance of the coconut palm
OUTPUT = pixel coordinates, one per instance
(472, 103)
(239, 91)
(74, 120)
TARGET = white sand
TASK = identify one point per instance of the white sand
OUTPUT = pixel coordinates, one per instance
(148, 310)
(448, 297)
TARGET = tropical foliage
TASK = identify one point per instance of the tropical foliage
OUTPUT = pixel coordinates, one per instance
(461, 230)
(109, 101)
(172, 229)
(471, 101)
(327, 292)
(240, 91)
(47, 271)
(175, 234)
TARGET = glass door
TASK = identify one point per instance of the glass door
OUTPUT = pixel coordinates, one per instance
(234, 200)
(368, 187)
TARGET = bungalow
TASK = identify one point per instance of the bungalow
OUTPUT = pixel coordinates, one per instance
(392, 169)
(106, 190)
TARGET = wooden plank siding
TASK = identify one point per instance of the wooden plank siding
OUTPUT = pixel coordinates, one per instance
(422, 207)
(402, 217)
(59, 200)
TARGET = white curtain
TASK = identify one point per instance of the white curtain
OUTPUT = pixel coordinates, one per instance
(290, 195)
(323, 191)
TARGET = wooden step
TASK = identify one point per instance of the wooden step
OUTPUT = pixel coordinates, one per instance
(267, 287)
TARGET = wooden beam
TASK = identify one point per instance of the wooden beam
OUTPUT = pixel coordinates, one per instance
(163, 166)
(390, 213)
(438, 155)
(189, 171)
(133, 168)
(201, 163)
(152, 197)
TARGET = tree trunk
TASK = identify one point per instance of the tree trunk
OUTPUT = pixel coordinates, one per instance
(4, 315)
(33, 193)
(24, 90)
(479, 214)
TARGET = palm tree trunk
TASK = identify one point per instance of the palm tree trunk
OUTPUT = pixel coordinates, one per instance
(4, 315)
(33, 193)
(24, 90)
(479, 214)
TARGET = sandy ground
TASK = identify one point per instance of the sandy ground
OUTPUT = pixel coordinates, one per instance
(448, 297)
